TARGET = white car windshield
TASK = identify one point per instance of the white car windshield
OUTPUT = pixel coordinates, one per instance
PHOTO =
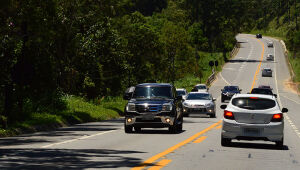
(199, 96)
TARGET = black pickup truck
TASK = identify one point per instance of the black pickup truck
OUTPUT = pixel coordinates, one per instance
(153, 105)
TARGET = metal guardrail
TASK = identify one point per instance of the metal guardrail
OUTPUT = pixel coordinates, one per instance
(211, 78)
(234, 51)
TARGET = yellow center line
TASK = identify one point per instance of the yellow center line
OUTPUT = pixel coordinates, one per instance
(160, 164)
(199, 140)
(150, 161)
(219, 127)
(259, 65)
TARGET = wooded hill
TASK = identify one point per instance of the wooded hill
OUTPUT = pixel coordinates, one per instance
(96, 48)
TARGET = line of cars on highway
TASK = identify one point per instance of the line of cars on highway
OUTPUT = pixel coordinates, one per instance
(252, 116)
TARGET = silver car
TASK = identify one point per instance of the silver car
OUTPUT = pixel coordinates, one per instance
(200, 88)
(270, 44)
(270, 57)
(266, 72)
(253, 117)
(199, 103)
(181, 92)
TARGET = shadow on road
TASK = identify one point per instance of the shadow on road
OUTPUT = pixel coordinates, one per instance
(67, 158)
(157, 131)
(258, 146)
(247, 61)
(66, 132)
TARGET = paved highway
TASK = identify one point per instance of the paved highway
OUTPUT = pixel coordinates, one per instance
(104, 145)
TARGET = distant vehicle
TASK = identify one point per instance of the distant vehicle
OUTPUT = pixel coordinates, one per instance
(264, 91)
(265, 87)
(153, 105)
(228, 92)
(270, 57)
(253, 117)
(270, 44)
(200, 88)
(258, 36)
(199, 103)
(182, 92)
(266, 72)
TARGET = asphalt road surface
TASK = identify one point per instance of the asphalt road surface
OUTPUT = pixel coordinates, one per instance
(104, 145)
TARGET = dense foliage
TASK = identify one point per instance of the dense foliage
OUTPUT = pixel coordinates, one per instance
(96, 48)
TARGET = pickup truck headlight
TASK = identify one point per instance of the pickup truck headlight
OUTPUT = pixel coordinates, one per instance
(167, 107)
(130, 107)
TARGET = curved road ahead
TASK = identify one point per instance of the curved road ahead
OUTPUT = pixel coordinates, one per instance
(104, 145)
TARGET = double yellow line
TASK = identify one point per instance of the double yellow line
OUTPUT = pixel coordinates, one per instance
(259, 65)
(149, 162)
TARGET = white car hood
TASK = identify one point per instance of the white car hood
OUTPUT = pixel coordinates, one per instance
(197, 102)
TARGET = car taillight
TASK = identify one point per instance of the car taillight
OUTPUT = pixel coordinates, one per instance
(277, 117)
(228, 115)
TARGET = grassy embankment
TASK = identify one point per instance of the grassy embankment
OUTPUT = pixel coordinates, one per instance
(280, 31)
(78, 110)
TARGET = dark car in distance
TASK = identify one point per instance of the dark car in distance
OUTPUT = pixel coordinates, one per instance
(265, 91)
(229, 91)
(258, 36)
(153, 105)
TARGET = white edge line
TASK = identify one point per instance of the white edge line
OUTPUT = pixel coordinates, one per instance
(290, 99)
(224, 79)
(81, 138)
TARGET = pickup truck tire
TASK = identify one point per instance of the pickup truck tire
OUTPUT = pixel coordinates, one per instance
(128, 129)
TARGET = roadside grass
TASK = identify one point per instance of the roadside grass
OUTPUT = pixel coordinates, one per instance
(295, 63)
(78, 110)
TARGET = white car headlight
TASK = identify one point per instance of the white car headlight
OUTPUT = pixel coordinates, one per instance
(185, 104)
(130, 107)
(167, 107)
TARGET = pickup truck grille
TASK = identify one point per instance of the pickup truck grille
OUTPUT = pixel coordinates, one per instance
(149, 108)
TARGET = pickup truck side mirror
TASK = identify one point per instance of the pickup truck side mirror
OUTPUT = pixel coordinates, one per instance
(240, 90)
(275, 95)
(214, 99)
(223, 106)
(127, 96)
(284, 110)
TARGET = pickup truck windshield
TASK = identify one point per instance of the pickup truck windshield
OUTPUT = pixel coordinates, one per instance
(155, 92)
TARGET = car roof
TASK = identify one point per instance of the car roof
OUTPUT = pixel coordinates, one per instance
(154, 84)
(199, 92)
(264, 87)
(181, 89)
(231, 86)
(255, 95)
(200, 85)
(267, 68)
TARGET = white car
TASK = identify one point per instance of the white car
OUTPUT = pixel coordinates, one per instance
(199, 103)
(270, 44)
(200, 88)
(253, 117)
(266, 72)
(270, 57)
(181, 92)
